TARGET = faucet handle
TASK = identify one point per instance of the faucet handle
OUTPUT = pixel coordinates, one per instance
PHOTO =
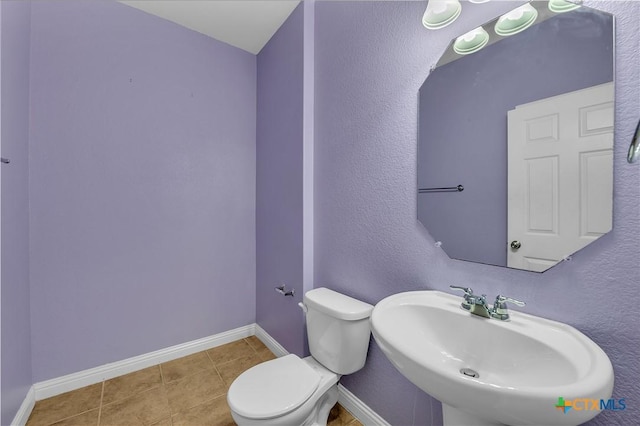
(499, 309)
(501, 300)
(468, 296)
(467, 291)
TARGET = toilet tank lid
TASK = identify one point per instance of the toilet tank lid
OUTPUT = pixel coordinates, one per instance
(336, 304)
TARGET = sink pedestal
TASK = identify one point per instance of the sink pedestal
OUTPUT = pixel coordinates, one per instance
(454, 417)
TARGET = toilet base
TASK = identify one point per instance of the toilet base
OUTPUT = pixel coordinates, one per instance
(323, 408)
(320, 413)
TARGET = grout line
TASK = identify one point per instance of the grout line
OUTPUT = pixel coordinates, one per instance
(82, 412)
(220, 376)
(159, 385)
(195, 373)
(250, 345)
(187, 375)
(101, 399)
(70, 417)
(161, 375)
(130, 396)
(255, 349)
(222, 364)
(190, 407)
(209, 358)
(206, 401)
(215, 367)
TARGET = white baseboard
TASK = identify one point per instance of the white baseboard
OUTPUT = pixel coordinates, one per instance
(25, 409)
(270, 342)
(359, 409)
(53, 387)
(91, 376)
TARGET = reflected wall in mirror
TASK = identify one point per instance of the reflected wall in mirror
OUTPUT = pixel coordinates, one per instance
(525, 125)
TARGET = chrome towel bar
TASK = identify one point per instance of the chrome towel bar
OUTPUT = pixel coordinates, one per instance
(634, 148)
(458, 188)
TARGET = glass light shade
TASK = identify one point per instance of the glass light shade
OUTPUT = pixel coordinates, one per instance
(561, 6)
(471, 42)
(441, 13)
(516, 21)
(478, 1)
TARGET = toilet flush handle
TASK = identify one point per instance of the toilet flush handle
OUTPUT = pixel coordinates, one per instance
(303, 307)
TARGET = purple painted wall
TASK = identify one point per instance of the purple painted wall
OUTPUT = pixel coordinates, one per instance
(549, 59)
(16, 340)
(279, 184)
(371, 59)
(142, 185)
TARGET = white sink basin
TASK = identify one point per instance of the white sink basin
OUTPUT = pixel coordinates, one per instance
(524, 365)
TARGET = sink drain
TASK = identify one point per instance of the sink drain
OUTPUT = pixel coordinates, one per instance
(469, 372)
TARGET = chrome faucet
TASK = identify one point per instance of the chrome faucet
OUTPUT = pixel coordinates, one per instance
(477, 305)
(499, 310)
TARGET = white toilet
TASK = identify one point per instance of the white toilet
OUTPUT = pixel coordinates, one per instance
(293, 391)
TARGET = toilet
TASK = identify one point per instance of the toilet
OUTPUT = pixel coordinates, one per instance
(301, 391)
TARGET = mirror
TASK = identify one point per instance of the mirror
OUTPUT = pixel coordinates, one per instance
(515, 142)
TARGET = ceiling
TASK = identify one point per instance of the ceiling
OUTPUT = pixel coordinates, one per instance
(246, 24)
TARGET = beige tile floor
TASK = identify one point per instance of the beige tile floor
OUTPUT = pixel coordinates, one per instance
(187, 391)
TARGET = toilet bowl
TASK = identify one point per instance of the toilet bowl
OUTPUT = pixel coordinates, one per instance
(296, 391)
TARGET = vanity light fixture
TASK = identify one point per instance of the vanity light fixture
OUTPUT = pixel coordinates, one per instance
(440, 13)
(478, 1)
(516, 21)
(561, 6)
(471, 42)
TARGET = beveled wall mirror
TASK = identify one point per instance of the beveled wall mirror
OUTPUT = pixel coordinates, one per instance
(525, 127)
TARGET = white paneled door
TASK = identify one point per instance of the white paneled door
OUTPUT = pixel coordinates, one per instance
(560, 180)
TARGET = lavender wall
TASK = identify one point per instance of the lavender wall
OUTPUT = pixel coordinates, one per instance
(279, 183)
(371, 59)
(463, 123)
(16, 341)
(142, 185)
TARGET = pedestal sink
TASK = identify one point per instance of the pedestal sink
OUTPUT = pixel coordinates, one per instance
(491, 372)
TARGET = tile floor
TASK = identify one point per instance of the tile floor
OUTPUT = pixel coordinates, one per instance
(187, 391)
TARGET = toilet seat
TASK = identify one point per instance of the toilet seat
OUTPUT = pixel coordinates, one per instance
(273, 388)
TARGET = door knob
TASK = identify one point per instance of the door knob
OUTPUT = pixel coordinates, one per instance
(515, 245)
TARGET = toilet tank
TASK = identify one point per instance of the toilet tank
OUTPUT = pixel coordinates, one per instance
(338, 329)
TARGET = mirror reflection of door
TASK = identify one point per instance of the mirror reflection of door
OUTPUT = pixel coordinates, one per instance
(560, 176)
(462, 136)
